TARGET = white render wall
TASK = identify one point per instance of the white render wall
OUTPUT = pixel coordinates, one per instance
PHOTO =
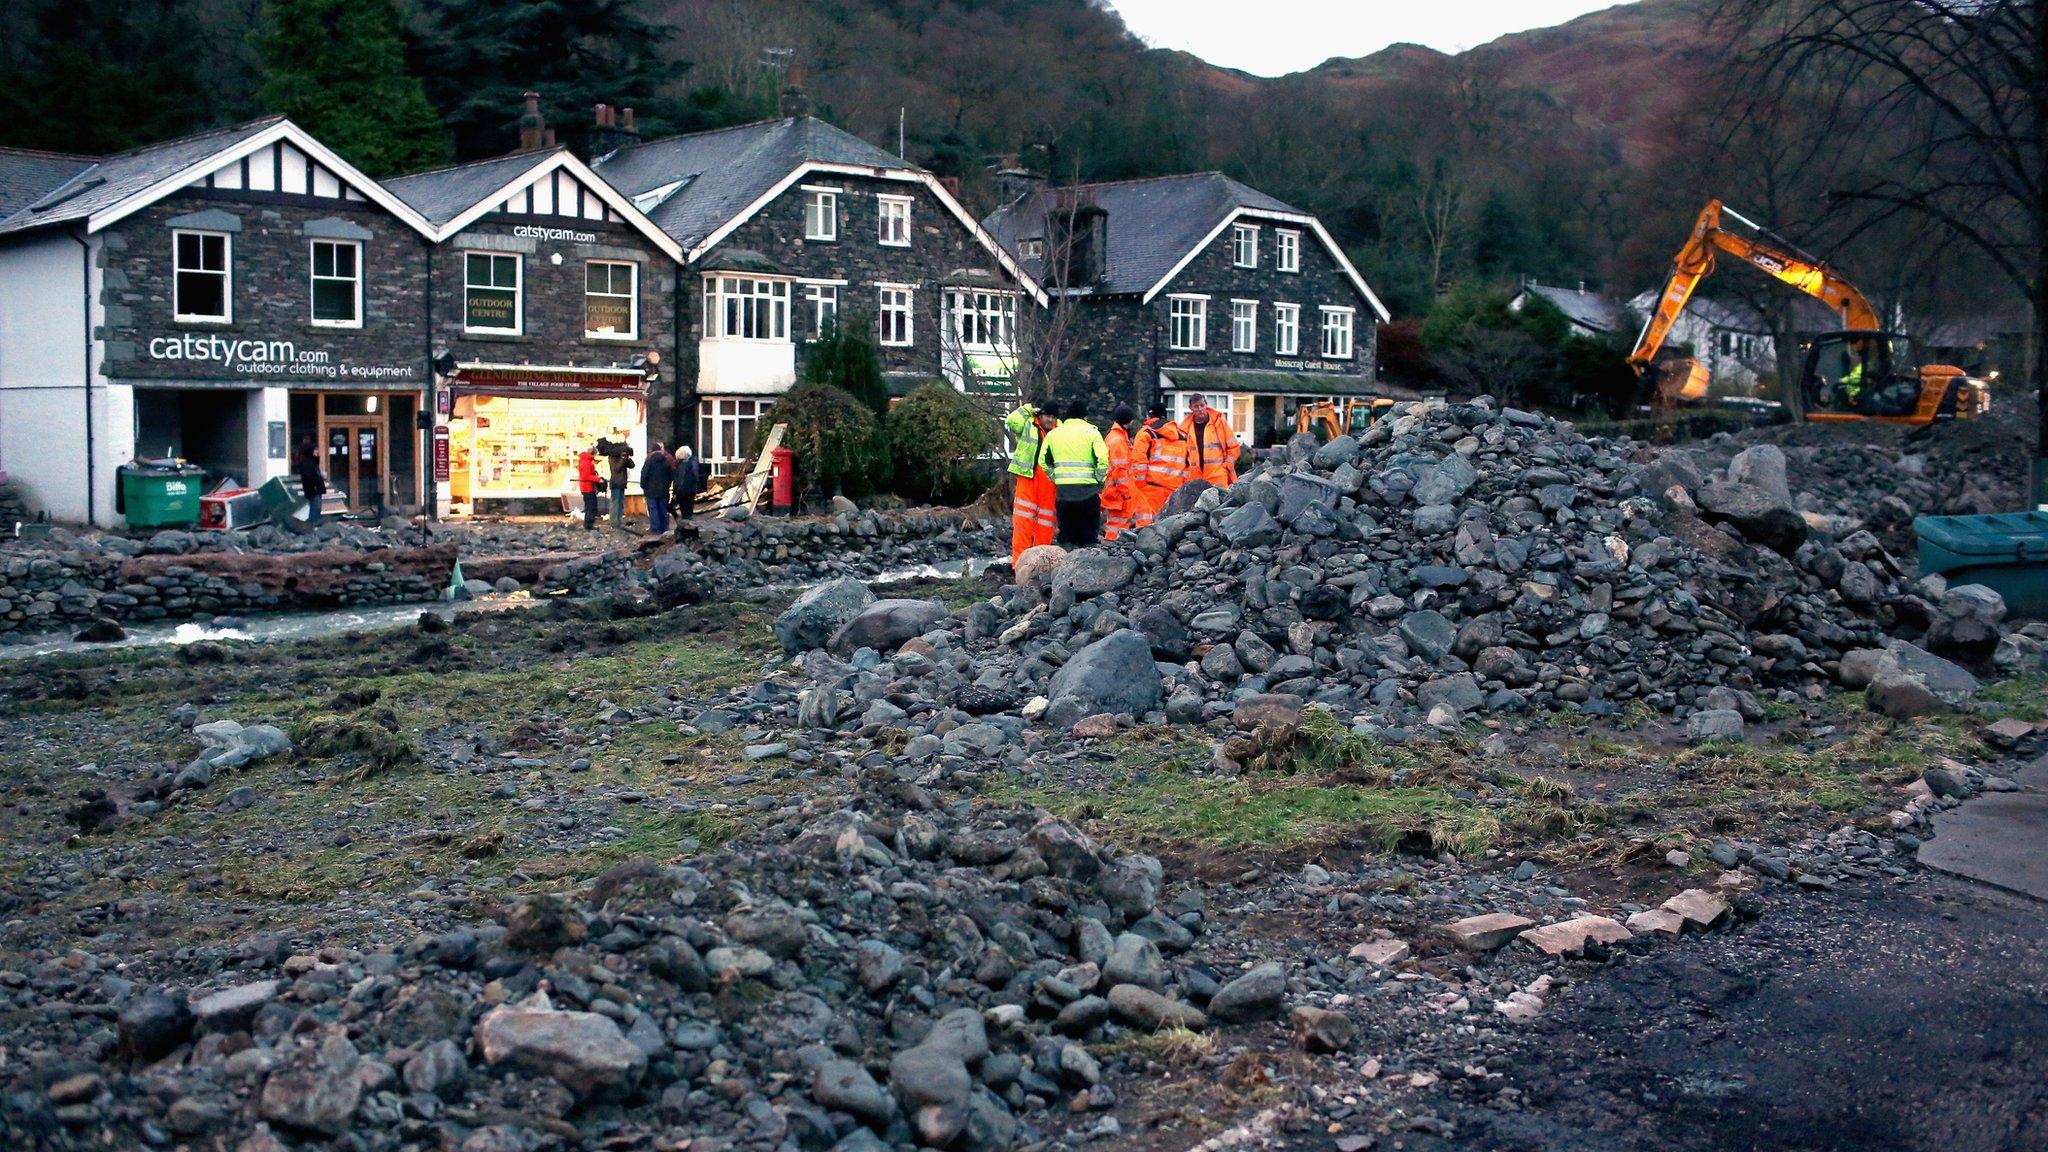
(266, 405)
(43, 372)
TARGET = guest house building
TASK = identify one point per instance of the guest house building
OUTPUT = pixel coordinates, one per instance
(1190, 285)
(790, 226)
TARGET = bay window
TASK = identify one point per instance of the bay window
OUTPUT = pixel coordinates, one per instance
(981, 321)
(746, 308)
(725, 431)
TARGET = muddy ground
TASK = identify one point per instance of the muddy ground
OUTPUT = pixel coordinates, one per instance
(440, 773)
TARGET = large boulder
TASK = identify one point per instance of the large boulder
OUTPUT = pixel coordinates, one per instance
(1445, 483)
(1249, 526)
(1094, 571)
(818, 613)
(1757, 514)
(1299, 492)
(886, 624)
(1113, 676)
(1184, 497)
(1762, 466)
(582, 1050)
(1965, 623)
(1035, 568)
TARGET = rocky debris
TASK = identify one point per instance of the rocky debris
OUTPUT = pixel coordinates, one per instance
(315, 1089)
(1965, 623)
(1113, 676)
(582, 1050)
(1486, 933)
(1256, 995)
(1713, 724)
(1770, 520)
(819, 612)
(1320, 1030)
(885, 624)
(227, 744)
(1576, 936)
(1381, 953)
(1700, 909)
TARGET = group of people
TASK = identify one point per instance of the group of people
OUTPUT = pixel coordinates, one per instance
(1074, 486)
(670, 481)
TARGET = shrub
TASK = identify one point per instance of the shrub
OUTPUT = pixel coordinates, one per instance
(838, 443)
(939, 438)
(847, 358)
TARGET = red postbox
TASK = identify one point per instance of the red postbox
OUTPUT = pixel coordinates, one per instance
(785, 480)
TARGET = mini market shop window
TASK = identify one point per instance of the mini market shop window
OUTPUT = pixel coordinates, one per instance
(490, 293)
(611, 300)
(524, 447)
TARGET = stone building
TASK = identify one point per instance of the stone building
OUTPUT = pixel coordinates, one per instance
(1193, 284)
(186, 298)
(789, 226)
(553, 318)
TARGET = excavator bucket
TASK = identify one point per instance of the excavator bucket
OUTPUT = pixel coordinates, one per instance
(1681, 379)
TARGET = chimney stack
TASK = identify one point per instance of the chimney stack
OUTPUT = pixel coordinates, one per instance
(534, 133)
(612, 131)
(1013, 181)
(795, 102)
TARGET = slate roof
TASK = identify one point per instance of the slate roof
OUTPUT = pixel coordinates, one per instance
(724, 171)
(112, 179)
(442, 194)
(1586, 309)
(1269, 382)
(27, 175)
(1152, 223)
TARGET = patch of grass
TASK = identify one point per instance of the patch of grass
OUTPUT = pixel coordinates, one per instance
(2021, 697)
(1179, 1047)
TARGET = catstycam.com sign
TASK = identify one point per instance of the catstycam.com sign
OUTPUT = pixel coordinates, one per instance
(267, 358)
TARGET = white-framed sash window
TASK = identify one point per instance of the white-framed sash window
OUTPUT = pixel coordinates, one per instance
(1337, 333)
(1244, 245)
(821, 213)
(725, 430)
(896, 316)
(1187, 327)
(337, 288)
(746, 308)
(1244, 325)
(491, 292)
(611, 300)
(1286, 329)
(201, 285)
(892, 221)
(1286, 250)
(821, 308)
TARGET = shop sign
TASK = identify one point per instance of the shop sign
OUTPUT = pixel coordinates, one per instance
(444, 401)
(440, 452)
(493, 308)
(609, 313)
(523, 380)
(268, 358)
(536, 232)
(1309, 366)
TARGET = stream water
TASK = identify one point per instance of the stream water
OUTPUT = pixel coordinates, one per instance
(275, 626)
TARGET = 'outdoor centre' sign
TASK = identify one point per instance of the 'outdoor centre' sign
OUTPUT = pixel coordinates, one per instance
(269, 358)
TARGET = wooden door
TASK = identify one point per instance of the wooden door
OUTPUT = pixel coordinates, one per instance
(355, 459)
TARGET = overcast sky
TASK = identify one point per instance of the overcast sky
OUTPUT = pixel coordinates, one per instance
(1273, 37)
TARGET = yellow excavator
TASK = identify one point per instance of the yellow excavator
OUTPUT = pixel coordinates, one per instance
(1341, 417)
(1860, 373)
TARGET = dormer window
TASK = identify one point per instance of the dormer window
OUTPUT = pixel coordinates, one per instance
(1032, 249)
(1244, 245)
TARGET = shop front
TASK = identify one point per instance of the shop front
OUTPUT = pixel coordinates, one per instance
(1262, 405)
(366, 443)
(513, 432)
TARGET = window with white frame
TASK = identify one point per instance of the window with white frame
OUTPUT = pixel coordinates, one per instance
(337, 284)
(981, 321)
(611, 300)
(490, 286)
(1244, 325)
(821, 213)
(821, 308)
(1286, 329)
(898, 330)
(199, 276)
(1286, 250)
(1187, 327)
(1244, 245)
(892, 220)
(1032, 249)
(725, 431)
(746, 308)
(1337, 333)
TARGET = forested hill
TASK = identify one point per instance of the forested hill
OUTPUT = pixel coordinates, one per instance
(1571, 153)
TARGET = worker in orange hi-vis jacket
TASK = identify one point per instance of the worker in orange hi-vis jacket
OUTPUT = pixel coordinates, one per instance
(1032, 493)
(1120, 491)
(1159, 457)
(1212, 445)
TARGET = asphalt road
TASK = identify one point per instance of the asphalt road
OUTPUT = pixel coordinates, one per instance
(1877, 1018)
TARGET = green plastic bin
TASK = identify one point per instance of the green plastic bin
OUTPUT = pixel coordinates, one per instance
(2007, 552)
(161, 494)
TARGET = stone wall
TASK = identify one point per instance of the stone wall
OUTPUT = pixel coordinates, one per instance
(45, 591)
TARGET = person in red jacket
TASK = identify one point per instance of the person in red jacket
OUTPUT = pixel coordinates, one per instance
(588, 483)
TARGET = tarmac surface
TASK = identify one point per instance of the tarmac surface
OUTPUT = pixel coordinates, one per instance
(1999, 838)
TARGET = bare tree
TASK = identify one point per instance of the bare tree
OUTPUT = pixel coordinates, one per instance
(1963, 85)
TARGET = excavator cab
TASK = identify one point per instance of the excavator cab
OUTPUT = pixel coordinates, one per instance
(1866, 375)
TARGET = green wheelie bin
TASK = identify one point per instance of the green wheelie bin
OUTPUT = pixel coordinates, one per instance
(161, 493)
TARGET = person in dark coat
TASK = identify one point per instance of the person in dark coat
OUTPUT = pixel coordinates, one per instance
(657, 475)
(306, 465)
(689, 482)
(621, 455)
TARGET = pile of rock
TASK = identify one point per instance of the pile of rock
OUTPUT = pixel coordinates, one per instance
(727, 555)
(894, 976)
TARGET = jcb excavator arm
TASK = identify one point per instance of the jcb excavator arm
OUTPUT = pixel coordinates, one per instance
(1696, 259)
